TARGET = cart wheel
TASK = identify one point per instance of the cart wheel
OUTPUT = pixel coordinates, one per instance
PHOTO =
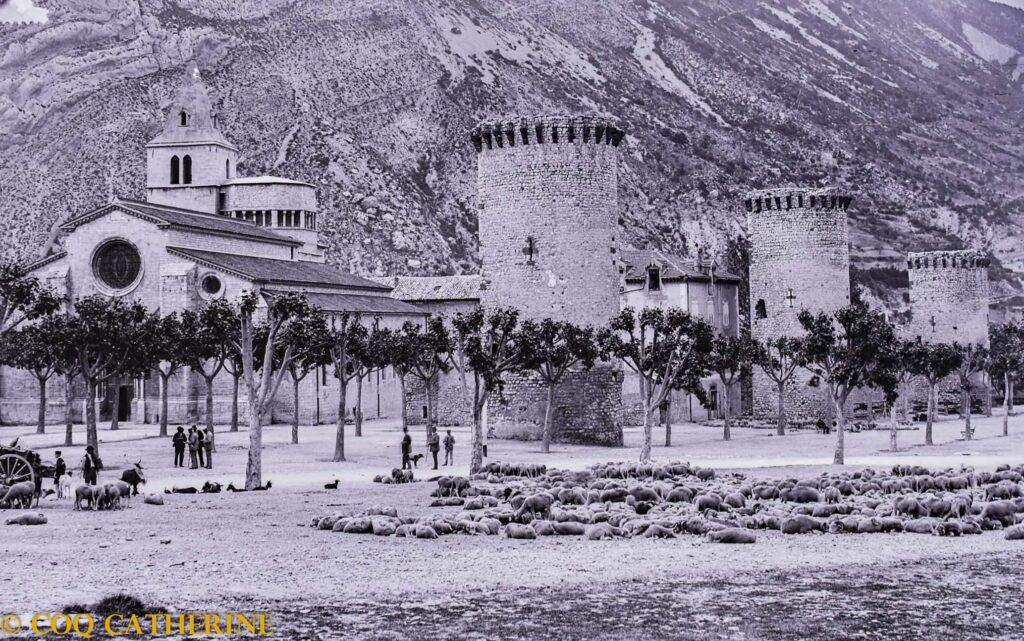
(15, 468)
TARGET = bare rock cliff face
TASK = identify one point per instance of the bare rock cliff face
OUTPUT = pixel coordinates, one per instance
(914, 106)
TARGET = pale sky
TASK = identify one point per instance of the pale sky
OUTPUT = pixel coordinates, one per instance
(21, 11)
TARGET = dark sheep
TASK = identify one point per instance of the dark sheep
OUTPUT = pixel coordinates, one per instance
(801, 524)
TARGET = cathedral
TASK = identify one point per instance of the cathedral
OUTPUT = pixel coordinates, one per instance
(203, 233)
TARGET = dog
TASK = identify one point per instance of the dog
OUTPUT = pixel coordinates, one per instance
(415, 458)
(64, 486)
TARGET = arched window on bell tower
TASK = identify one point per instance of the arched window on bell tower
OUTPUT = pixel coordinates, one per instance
(186, 170)
(183, 118)
(227, 169)
(175, 170)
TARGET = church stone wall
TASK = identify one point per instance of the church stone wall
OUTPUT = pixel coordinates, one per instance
(799, 259)
(547, 192)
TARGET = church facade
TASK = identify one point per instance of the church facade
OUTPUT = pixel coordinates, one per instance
(203, 233)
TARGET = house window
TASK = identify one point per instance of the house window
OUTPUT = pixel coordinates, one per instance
(183, 118)
(654, 279)
(760, 310)
(713, 399)
(725, 315)
(424, 411)
(186, 170)
(175, 170)
(310, 220)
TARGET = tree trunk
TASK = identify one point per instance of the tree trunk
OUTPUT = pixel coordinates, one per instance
(781, 431)
(209, 409)
(893, 447)
(1006, 403)
(164, 384)
(1012, 387)
(968, 433)
(234, 404)
(295, 411)
(405, 414)
(339, 438)
(69, 401)
(645, 449)
(929, 415)
(727, 431)
(41, 424)
(476, 460)
(988, 396)
(430, 409)
(254, 464)
(668, 421)
(358, 419)
(209, 402)
(115, 405)
(91, 438)
(840, 456)
(545, 443)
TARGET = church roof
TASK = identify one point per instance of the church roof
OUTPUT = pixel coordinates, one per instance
(265, 180)
(176, 218)
(357, 303)
(636, 262)
(272, 271)
(434, 288)
(193, 100)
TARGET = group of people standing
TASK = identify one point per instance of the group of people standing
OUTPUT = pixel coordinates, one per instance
(433, 446)
(200, 447)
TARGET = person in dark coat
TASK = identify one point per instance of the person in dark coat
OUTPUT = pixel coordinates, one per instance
(449, 448)
(434, 445)
(406, 449)
(208, 446)
(60, 468)
(179, 441)
(89, 466)
(200, 447)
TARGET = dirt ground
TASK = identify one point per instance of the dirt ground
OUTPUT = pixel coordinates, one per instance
(255, 552)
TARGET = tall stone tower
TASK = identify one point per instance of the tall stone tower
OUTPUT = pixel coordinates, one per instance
(799, 259)
(190, 159)
(949, 296)
(547, 192)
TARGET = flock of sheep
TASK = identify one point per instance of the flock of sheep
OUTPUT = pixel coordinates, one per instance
(665, 501)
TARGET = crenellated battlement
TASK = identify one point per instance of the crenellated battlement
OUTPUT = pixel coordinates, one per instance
(791, 198)
(949, 259)
(545, 130)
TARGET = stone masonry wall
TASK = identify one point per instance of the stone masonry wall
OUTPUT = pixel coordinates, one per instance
(547, 192)
(799, 259)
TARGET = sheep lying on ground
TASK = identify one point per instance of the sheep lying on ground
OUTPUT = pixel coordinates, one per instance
(621, 500)
(27, 519)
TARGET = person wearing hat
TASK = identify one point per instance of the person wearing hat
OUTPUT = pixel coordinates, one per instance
(89, 466)
(60, 468)
(178, 441)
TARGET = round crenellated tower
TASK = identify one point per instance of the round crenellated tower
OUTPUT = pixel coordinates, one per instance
(949, 296)
(799, 260)
(547, 193)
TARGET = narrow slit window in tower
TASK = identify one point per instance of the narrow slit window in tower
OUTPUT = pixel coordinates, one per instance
(761, 310)
(186, 170)
(183, 118)
(175, 170)
(530, 251)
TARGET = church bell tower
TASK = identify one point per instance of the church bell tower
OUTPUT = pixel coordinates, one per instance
(189, 161)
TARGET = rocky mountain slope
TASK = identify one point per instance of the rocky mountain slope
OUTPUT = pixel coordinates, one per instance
(914, 106)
